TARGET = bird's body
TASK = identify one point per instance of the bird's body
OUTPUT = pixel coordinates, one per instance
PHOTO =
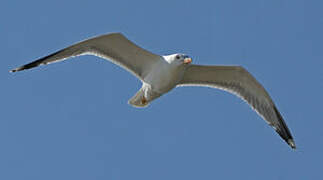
(163, 77)
(160, 74)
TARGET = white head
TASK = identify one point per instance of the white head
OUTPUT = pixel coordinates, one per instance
(178, 59)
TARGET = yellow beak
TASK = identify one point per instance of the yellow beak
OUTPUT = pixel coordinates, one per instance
(187, 60)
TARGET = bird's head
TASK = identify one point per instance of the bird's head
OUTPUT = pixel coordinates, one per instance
(178, 59)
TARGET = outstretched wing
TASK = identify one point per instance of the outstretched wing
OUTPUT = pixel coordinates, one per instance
(114, 47)
(237, 80)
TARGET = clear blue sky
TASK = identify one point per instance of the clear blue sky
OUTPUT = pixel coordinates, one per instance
(71, 120)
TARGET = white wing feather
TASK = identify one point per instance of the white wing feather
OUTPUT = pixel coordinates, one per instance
(237, 80)
(114, 47)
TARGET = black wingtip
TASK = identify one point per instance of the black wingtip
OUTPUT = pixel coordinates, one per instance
(291, 143)
(37, 62)
(14, 70)
(283, 130)
(17, 69)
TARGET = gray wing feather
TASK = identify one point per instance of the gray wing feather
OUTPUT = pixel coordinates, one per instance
(237, 80)
(114, 47)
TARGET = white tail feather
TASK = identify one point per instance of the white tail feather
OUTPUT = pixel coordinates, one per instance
(137, 100)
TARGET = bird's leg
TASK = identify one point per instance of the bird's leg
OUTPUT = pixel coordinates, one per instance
(143, 100)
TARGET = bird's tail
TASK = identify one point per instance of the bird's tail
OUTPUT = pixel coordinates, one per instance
(138, 100)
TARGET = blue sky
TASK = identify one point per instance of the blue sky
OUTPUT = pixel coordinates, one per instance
(71, 120)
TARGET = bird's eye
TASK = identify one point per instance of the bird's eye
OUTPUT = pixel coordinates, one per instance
(178, 56)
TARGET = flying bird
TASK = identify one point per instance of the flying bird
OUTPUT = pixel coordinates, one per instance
(160, 74)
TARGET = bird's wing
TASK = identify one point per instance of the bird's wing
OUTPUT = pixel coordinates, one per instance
(237, 80)
(114, 47)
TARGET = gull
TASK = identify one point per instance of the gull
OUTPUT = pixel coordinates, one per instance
(160, 74)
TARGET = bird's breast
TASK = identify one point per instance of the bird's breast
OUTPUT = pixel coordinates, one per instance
(163, 78)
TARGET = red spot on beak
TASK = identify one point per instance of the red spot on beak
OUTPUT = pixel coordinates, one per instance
(187, 60)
